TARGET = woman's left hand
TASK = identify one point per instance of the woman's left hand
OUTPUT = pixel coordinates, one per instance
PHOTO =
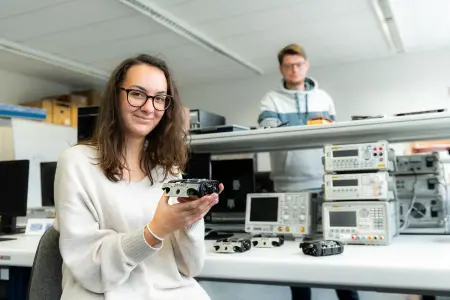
(182, 200)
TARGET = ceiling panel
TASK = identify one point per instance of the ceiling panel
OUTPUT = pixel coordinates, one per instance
(126, 46)
(289, 17)
(61, 17)
(423, 24)
(101, 33)
(95, 34)
(12, 8)
(32, 67)
(171, 3)
(185, 55)
(200, 11)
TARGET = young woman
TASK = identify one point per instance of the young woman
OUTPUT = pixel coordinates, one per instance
(120, 238)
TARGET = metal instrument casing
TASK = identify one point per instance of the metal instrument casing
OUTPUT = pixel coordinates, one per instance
(280, 213)
(360, 222)
(358, 186)
(358, 157)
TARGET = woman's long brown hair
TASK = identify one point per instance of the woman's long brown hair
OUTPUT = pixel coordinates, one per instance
(166, 142)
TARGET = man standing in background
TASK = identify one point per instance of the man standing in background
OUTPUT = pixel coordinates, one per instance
(296, 101)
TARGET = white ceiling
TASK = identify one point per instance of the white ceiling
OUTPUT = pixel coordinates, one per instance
(100, 33)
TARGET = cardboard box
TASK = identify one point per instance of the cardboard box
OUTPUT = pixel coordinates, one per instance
(76, 100)
(58, 112)
(94, 98)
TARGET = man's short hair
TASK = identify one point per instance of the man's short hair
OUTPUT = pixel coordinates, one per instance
(292, 49)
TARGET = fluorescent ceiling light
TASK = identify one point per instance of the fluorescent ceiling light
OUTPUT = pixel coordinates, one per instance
(181, 28)
(388, 26)
(51, 59)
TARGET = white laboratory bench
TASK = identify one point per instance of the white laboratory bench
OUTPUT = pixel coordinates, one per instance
(411, 264)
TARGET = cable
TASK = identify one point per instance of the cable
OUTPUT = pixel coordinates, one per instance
(445, 206)
(413, 200)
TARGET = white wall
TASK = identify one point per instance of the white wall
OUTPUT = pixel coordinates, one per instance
(17, 88)
(402, 83)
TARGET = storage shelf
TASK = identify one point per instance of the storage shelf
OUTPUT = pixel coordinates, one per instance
(434, 126)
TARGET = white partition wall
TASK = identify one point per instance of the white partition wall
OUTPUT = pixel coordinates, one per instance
(36, 141)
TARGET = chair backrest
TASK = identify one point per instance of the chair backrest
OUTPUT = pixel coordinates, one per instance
(46, 273)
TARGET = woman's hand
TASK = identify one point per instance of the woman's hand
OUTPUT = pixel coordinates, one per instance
(169, 218)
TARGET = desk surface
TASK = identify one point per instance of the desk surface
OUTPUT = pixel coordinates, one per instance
(410, 263)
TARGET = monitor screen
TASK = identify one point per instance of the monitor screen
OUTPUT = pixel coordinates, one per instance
(48, 170)
(14, 187)
(198, 166)
(264, 209)
(342, 219)
(238, 177)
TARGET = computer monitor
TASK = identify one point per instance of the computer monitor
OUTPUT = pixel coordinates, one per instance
(48, 170)
(198, 166)
(238, 177)
(13, 193)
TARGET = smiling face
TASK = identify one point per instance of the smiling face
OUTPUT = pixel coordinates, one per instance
(142, 79)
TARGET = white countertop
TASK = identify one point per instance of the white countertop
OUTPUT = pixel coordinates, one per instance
(409, 263)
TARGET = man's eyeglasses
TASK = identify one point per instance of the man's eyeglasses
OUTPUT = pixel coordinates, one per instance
(137, 98)
(292, 66)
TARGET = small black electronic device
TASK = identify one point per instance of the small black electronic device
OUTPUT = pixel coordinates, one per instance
(267, 241)
(232, 245)
(190, 187)
(201, 118)
(322, 247)
(218, 129)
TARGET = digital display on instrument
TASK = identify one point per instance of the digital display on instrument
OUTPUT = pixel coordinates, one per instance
(345, 153)
(342, 218)
(345, 182)
(264, 209)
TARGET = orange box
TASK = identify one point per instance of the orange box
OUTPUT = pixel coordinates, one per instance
(58, 112)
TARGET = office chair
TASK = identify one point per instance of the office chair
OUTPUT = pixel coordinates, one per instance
(46, 273)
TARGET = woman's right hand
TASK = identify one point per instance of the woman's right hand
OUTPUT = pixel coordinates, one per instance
(169, 218)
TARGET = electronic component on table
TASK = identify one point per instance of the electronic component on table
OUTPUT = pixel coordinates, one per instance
(359, 186)
(190, 187)
(418, 164)
(319, 119)
(322, 247)
(360, 222)
(288, 213)
(201, 118)
(419, 185)
(267, 241)
(232, 245)
(426, 212)
(359, 157)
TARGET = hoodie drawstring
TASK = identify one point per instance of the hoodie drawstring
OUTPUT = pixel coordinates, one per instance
(305, 119)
